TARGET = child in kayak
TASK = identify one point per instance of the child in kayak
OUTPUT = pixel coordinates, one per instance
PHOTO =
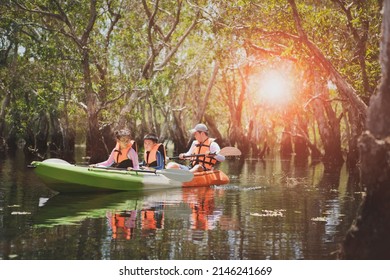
(124, 155)
(154, 154)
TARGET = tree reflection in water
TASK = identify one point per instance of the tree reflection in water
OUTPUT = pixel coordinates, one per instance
(271, 209)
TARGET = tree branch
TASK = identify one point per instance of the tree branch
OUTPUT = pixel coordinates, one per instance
(174, 50)
(91, 23)
(344, 87)
(176, 22)
(208, 91)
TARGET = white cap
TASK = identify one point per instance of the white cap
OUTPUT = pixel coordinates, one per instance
(199, 127)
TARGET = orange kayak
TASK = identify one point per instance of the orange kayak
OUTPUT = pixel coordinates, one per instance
(207, 178)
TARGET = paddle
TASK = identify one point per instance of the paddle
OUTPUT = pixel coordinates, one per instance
(227, 151)
(178, 175)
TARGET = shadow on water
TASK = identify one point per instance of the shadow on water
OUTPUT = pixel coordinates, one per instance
(271, 209)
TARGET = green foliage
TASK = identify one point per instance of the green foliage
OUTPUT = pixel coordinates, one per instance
(47, 73)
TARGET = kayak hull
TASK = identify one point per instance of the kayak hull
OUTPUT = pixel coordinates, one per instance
(208, 178)
(70, 178)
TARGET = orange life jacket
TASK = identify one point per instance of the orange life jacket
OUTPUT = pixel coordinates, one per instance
(120, 222)
(151, 219)
(202, 148)
(121, 154)
(151, 157)
(147, 220)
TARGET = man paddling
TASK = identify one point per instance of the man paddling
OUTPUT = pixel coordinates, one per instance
(204, 151)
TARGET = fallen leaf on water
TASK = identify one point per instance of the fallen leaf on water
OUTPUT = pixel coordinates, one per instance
(319, 219)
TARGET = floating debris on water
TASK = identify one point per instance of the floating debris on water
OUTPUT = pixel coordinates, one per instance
(225, 187)
(363, 194)
(319, 219)
(270, 213)
(20, 213)
(234, 187)
(292, 182)
(252, 188)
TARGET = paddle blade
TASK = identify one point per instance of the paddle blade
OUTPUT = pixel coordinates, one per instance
(178, 175)
(230, 151)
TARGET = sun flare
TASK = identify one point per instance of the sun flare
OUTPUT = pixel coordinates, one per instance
(274, 87)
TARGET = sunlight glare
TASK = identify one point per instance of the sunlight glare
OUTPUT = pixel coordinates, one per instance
(274, 88)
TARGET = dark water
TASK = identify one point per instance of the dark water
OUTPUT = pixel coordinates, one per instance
(272, 209)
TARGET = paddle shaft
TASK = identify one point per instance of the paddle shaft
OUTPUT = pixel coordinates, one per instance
(125, 169)
(227, 151)
(173, 174)
(191, 156)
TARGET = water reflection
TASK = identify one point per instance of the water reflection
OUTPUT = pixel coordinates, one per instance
(73, 209)
(272, 209)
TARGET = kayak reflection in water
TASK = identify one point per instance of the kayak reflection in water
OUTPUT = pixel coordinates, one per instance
(203, 152)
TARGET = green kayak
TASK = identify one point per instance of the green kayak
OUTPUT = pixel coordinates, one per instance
(61, 176)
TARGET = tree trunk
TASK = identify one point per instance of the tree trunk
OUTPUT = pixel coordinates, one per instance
(368, 237)
(356, 128)
(36, 143)
(286, 147)
(235, 101)
(214, 132)
(329, 128)
(315, 153)
(7, 92)
(345, 89)
(56, 146)
(300, 144)
(251, 139)
(206, 100)
(178, 133)
(95, 144)
(68, 135)
(4, 105)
